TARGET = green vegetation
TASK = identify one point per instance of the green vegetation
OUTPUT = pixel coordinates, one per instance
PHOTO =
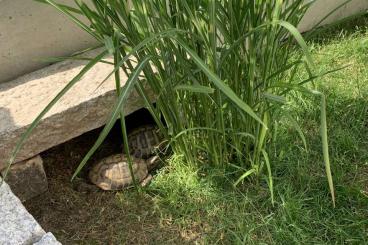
(199, 204)
(221, 71)
(302, 213)
(232, 80)
(184, 203)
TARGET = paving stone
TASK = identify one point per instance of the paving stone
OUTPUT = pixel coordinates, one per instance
(47, 239)
(17, 226)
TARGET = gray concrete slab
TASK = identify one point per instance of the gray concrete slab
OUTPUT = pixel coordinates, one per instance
(17, 226)
(85, 107)
(47, 239)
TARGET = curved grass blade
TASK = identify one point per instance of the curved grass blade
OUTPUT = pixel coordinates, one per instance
(76, 55)
(270, 179)
(246, 174)
(300, 40)
(324, 137)
(275, 98)
(219, 83)
(196, 129)
(261, 138)
(118, 107)
(63, 58)
(195, 89)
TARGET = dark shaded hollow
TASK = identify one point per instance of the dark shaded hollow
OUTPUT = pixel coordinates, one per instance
(99, 217)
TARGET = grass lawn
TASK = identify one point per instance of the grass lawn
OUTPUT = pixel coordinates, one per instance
(303, 212)
(184, 204)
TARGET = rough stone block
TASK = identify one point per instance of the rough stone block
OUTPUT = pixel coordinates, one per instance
(86, 106)
(27, 179)
(47, 239)
(17, 226)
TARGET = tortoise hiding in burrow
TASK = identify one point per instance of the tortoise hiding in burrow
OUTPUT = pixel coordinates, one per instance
(112, 172)
(143, 140)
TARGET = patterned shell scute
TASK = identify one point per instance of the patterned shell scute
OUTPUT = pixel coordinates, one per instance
(143, 140)
(112, 173)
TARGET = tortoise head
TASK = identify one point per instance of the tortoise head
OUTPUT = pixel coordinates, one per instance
(152, 162)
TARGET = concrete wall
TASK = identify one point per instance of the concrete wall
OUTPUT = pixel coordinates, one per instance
(30, 31)
(323, 7)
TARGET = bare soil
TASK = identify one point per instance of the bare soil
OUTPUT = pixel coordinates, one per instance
(101, 217)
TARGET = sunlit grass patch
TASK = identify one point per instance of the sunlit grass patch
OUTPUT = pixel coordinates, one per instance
(220, 71)
(302, 214)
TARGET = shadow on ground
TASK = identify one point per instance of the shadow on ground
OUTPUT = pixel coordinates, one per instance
(95, 217)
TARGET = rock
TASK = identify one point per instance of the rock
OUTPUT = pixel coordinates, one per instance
(27, 179)
(47, 239)
(85, 107)
(17, 226)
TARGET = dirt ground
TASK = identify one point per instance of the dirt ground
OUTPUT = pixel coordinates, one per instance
(77, 217)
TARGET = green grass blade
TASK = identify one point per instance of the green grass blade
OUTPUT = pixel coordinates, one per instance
(246, 174)
(219, 83)
(300, 40)
(324, 137)
(275, 98)
(196, 129)
(126, 90)
(270, 179)
(195, 89)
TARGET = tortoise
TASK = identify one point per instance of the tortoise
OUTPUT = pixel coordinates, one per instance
(143, 140)
(112, 172)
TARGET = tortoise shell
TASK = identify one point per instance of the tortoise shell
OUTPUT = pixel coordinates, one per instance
(112, 173)
(143, 140)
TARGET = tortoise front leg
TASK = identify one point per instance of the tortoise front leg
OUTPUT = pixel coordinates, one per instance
(84, 187)
(146, 181)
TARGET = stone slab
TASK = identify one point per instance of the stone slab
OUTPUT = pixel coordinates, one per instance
(47, 239)
(85, 107)
(17, 226)
(27, 179)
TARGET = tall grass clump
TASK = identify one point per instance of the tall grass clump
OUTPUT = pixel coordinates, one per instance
(220, 70)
